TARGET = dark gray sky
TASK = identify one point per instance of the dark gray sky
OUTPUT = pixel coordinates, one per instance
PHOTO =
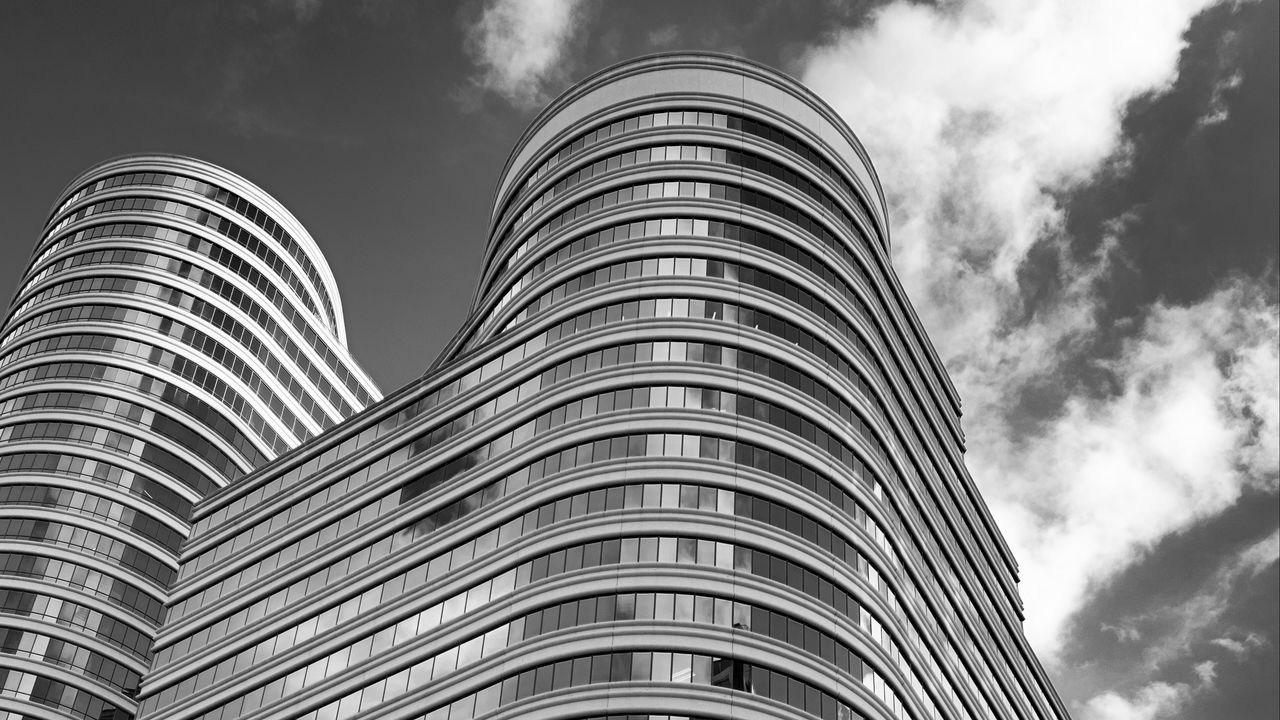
(1084, 197)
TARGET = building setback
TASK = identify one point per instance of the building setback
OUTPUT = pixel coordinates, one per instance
(690, 456)
(175, 328)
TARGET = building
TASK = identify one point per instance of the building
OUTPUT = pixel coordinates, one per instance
(175, 328)
(691, 456)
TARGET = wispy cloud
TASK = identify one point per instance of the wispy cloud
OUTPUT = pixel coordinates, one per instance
(1124, 632)
(520, 47)
(980, 117)
(304, 11)
(1226, 78)
(1190, 623)
(1240, 647)
(664, 36)
(1184, 627)
(1217, 110)
(268, 40)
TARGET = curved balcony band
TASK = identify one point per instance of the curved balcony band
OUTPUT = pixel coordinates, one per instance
(175, 329)
(690, 456)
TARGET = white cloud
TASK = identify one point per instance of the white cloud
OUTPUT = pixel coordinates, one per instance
(1264, 553)
(1153, 702)
(520, 47)
(975, 112)
(1105, 480)
(1240, 648)
(979, 115)
(1207, 671)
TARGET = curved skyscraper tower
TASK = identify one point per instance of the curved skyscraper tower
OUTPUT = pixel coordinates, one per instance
(691, 456)
(175, 329)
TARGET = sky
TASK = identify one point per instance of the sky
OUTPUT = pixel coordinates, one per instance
(1083, 201)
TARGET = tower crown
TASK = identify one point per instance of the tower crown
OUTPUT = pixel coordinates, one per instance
(175, 329)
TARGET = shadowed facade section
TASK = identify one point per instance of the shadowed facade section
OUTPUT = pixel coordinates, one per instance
(690, 456)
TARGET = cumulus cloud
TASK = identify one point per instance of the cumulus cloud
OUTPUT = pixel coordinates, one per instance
(1106, 479)
(980, 117)
(979, 111)
(1153, 702)
(520, 47)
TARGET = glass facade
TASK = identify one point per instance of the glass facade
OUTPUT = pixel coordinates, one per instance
(691, 456)
(165, 340)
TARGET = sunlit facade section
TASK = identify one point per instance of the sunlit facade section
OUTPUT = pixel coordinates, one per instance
(175, 329)
(691, 456)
